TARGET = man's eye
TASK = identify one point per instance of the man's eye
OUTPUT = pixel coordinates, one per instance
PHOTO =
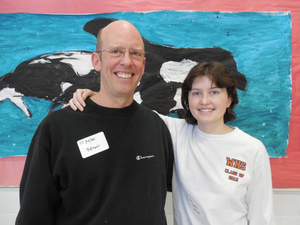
(136, 53)
(116, 51)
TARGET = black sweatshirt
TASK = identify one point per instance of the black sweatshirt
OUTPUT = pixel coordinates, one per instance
(122, 183)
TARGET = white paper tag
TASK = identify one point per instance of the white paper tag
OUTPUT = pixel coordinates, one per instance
(92, 145)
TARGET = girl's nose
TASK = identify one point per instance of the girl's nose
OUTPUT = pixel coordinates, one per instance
(205, 99)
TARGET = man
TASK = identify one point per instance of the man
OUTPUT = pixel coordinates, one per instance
(108, 165)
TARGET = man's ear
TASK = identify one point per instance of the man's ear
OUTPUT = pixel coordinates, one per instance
(96, 61)
(144, 62)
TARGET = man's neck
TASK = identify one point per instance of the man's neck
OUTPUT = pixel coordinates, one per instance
(112, 102)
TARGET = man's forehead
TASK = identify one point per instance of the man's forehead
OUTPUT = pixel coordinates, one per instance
(120, 26)
(119, 36)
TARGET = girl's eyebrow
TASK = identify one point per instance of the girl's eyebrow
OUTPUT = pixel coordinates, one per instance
(214, 86)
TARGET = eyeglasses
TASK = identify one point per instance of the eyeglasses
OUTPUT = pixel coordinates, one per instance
(118, 53)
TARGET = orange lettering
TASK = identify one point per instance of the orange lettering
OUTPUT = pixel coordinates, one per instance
(230, 161)
(237, 164)
(233, 178)
(243, 166)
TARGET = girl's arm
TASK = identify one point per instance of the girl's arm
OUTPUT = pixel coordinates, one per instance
(77, 102)
(260, 193)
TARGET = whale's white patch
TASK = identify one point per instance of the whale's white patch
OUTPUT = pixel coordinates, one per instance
(176, 72)
(80, 61)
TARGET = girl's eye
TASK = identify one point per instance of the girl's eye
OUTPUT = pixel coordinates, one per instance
(195, 93)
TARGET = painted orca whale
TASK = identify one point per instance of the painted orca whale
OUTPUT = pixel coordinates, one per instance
(55, 76)
(166, 68)
(52, 77)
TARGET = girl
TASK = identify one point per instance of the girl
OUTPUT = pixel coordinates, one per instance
(221, 175)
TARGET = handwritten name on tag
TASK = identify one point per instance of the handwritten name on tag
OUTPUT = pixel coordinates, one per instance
(92, 145)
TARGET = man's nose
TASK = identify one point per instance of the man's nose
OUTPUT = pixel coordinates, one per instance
(126, 59)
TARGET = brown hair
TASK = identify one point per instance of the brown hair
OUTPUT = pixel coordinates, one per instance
(219, 75)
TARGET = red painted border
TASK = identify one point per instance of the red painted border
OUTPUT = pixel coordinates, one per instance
(284, 171)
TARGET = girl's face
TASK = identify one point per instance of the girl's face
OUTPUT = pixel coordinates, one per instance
(208, 103)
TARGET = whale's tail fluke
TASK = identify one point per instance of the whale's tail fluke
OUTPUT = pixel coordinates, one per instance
(16, 99)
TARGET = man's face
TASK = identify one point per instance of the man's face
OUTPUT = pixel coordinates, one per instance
(120, 75)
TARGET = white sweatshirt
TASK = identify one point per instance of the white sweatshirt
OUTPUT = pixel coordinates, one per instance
(219, 179)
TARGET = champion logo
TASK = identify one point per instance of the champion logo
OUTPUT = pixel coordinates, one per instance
(139, 157)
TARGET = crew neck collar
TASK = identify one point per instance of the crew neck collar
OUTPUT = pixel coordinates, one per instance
(94, 106)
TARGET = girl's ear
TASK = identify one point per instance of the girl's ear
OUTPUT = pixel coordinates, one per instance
(229, 101)
(96, 61)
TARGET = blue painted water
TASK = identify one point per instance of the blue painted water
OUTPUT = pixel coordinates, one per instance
(259, 41)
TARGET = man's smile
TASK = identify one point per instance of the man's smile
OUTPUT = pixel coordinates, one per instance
(124, 75)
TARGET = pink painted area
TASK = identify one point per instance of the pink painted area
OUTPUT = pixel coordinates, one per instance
(11, 169)
(92, 6)
(286, 170)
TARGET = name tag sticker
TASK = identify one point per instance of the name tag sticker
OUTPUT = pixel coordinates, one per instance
(92, 145)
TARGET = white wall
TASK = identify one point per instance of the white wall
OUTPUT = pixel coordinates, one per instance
(286, 206)
(9, 205)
